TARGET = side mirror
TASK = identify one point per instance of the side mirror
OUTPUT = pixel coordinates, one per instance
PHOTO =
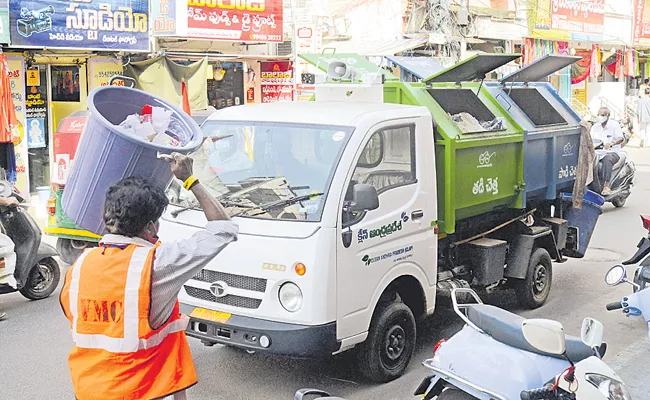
(545, 335)
(591, 332)
(365, 197)
(616, 275)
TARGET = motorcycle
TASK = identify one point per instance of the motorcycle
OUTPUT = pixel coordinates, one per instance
(623, 174)
(36, 272)
(638, 303)
(641, 278)
(500, 355)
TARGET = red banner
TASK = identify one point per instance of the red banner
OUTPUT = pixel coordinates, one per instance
(276, 81)
(586, 16)
(245, 20)
(641, 24)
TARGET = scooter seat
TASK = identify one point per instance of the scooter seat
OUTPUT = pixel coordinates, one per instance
(621, 162)
(505, 327)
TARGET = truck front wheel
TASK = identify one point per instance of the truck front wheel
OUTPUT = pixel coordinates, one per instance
(532, 292)
(389, 347)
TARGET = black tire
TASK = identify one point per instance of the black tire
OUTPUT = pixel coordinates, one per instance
(455, 394)
(389, 347)
(532, 292)
(41, 284)
(619, 202)
(69, 250)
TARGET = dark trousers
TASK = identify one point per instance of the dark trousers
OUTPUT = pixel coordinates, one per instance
(608, 163)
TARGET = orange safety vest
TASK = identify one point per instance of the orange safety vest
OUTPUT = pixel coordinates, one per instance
(116, 354)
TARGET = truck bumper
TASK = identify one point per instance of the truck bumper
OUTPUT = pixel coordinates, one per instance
(292, 340)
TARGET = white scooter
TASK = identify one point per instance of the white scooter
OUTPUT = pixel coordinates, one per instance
(500, 355)
(636, 304)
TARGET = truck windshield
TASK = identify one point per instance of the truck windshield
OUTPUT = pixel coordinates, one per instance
(266, 170)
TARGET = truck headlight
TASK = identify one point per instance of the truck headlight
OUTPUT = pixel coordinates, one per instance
(290, 297)
(610, 388)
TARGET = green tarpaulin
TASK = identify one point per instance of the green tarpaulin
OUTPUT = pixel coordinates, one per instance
(162, 77)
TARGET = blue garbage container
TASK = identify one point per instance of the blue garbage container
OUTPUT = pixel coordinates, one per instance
(107, 153)
(583, 219)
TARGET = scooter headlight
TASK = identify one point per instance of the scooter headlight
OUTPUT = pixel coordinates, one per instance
(290, 297)
(610, 388)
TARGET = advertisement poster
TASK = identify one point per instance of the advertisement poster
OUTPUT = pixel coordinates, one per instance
(17, 79)
(65, 83)
(587, 16)
(36, 108)
(641, 23)
(87, 24)
(276, 81)
(247, 21)
(102, 70)
(309, 40)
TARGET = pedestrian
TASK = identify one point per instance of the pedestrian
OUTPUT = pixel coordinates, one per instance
(644, 117)
(644, 87)
(609, 134)
(7, 202)
(121, 297)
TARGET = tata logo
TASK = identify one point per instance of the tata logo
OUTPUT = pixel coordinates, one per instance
(484, 160)
(219, 289)
(274, 267)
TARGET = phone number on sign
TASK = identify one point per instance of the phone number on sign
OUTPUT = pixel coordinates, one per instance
(264, 36)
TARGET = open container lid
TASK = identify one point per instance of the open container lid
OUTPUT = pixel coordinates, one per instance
(353, 60)
(475, 67)
(540, 69)
(420, 67)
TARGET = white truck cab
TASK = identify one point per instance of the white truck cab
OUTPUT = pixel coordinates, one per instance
(319, 266)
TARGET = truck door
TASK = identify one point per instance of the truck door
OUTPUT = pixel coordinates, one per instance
(397, 238)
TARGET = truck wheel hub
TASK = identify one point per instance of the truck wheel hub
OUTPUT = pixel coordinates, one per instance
(395, 342)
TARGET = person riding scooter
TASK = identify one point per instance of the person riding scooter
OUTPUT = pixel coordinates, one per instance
(609, 134)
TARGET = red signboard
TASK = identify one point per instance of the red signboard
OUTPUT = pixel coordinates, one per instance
(586, 16)
(66, 141)
(245, 20)
(276, 81)
(641, 24)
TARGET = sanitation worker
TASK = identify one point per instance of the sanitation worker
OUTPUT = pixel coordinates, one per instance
(120, 298)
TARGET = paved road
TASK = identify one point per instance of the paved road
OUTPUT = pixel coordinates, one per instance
(35, 340)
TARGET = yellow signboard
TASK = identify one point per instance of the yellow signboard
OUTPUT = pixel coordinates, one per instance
(17, 80)
(33, 77)
(102, 70)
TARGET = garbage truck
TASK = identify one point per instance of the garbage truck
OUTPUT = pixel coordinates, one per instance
(359, 210)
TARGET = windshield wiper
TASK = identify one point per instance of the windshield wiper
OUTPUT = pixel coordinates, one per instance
(280, 203)
(225, 203)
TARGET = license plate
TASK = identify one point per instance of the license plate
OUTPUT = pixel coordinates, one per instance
(210, 315)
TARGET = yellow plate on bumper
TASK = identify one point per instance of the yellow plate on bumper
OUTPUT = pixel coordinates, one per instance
(210, 315)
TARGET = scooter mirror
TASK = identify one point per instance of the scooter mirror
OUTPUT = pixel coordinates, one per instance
(592, 332)
(616, 275)
(545, 335)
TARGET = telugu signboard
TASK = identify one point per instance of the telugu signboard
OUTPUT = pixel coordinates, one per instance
(86, 24)
(276, 81)
(641, 24)
(237, 20)
(17, 80)
(586, 16)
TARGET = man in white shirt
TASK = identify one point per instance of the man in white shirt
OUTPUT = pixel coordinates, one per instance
(644, 117)
(608, 133)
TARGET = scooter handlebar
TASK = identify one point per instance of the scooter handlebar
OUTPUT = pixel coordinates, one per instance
(537, 394)
(614, 306)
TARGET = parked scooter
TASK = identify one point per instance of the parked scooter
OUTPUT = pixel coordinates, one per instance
(622, 178)
(500, 355)
(642, 258)
(636, 304)
(36, 272)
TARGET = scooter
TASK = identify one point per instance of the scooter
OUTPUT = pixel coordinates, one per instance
(37, 274)
(500, 355)
(641, 278)
(638, 303)
(623, 174)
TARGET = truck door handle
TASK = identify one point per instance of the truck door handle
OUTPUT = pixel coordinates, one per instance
(416, 215)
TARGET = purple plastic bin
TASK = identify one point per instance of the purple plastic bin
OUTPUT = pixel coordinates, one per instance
(107, 154)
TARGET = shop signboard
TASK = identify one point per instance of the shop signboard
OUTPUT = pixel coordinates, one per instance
(102, 70)
(36, 109)
(4, 22)
(566, 19)
(17, 81)
(236, 20)
(276, 81)
(80, 24)
(641, 23)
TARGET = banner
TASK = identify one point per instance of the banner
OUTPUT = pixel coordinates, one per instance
(88, 24)
(276, 81)
(5, 37)
(237, 20)
(586, 16)
(17, 79)
(641, 23)
(102, 70)
(36, 109)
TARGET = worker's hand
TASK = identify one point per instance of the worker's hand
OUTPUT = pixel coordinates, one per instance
(608, 145)
(9, 201)
(181, 166)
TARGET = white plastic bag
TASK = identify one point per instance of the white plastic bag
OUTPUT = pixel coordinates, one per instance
(7, 261)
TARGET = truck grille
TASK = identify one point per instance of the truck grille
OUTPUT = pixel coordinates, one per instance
(230, 300)
(236, 281)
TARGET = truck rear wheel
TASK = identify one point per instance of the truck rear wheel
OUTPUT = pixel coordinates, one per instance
(389, 347)
(532, 292)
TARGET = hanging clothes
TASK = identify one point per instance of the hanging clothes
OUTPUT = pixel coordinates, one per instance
(7, 112)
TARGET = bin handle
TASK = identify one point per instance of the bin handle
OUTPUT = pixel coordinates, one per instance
(506, 101)
(123, 78)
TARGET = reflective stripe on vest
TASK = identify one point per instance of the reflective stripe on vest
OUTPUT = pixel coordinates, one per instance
(131, 341)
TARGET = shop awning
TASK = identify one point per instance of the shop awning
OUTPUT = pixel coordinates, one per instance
(375, 47)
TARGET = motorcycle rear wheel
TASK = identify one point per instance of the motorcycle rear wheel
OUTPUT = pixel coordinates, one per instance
(42, 280)
(619, 202)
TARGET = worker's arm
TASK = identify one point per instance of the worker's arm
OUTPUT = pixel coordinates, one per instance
(8, 201)
(618, 137)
